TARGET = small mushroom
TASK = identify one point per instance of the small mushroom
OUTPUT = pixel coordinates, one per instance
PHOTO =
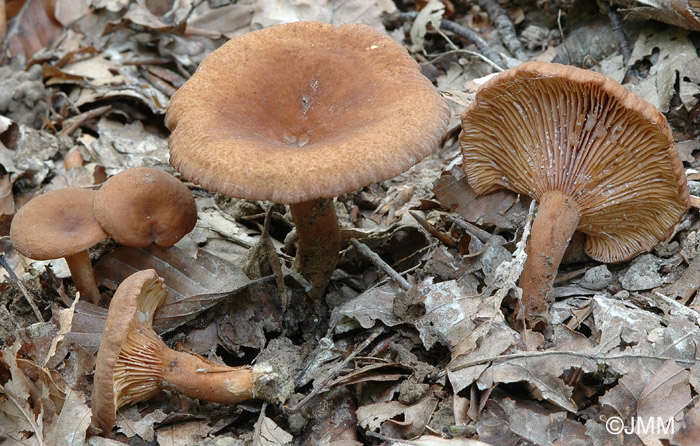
(596, 157)
(133, 363)
(61, 223)
(144, 205)
(300, 113)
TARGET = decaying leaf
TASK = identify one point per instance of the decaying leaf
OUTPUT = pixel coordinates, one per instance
(502, 208)
(380, 417)
(271, 434)
(368, 12)
(193, 287)
(674, 57)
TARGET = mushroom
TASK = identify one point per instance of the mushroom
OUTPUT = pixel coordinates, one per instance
(596, 157)
(133, 363)
(61, 223)
(144, 205)
(300, 113)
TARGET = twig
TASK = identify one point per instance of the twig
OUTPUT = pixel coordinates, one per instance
(467, 52)
(12, 31)
(274, 259)
(338, 368)
(73, 123)
(563, 39)
(444, 238)
(463, 32)
(499, 17)
(258, 425)
(473, 230)
(682, 309)
(622, 40)
(381, 264)
(14, 279)
(540, 354)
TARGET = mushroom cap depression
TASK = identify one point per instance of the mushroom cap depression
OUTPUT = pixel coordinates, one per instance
(57, 224)
(543, 127)
(304, 110)
(144, 205)
(128, 362)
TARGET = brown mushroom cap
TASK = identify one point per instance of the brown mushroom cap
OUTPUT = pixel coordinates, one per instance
(118, 379)
(143, 205)
(302, 111)
(544, 127)
(56, 224)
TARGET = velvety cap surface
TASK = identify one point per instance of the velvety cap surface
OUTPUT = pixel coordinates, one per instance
(130, 316)
(541, 127)
(304, 110)
(56, 224)
(144, 205)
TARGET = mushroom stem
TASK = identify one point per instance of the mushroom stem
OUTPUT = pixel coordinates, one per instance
(83, 276)
(557, 218)
(199, 378)
(319, 241)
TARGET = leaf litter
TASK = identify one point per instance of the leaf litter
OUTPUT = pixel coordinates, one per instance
(377, 362)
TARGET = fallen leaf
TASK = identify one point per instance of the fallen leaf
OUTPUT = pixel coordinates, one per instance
(367, 12)
(33, 28)
(375, 417)
(501, 208)
(271, 434)
(507, 421)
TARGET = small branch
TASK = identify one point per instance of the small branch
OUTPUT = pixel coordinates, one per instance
(563, 38)
(499, 18)
(444, 238)
(468, 53)
(622, 40)
(381, 264)
(73, 123)
(338, 368)
(465, 33)
(14, 279)
(16, 21)
(473, 230)
(677, 306)
(540, 354)
(258, 425)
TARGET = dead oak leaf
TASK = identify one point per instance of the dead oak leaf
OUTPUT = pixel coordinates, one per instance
(382, 417)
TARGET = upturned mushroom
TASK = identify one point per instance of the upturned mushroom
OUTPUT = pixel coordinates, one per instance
(61, 223)
(133, 363)
(300, 113)
(144, 205)
(596, 157)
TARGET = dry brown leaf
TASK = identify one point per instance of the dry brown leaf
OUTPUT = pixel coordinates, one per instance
(508, 422)
(682, 13)
(367, 12)
(183, 434)
(193, 287)
(131, 422)
(271, 434)
(666, 395)
(502, 208)
(447, 317)
(374, 417)
(431, 440)
(70, 427)
(227, 21)
(33, 28)
(690, 431)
